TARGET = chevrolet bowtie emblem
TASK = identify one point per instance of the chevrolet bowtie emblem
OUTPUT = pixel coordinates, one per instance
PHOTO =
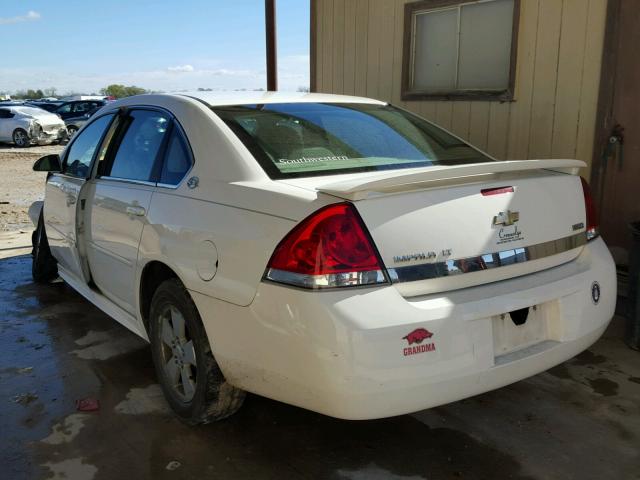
(506, 218)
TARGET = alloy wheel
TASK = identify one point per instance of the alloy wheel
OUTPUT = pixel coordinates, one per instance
(178, 354)
(20, 138)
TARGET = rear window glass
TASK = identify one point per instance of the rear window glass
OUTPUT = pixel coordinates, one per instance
(307, 139)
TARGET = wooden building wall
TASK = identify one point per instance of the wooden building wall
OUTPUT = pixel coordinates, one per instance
(358, 51)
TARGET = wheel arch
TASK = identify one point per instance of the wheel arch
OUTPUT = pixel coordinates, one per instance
(153, 274)
(25, 130)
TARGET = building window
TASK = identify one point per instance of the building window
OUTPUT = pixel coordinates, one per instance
(460, 50)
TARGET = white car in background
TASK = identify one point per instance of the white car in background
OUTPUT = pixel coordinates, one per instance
(335, 253)
(23, 126)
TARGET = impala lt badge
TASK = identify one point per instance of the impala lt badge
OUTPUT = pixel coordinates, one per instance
(414, 256)
(506, 218)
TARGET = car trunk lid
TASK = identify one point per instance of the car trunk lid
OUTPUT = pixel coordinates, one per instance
(447, 228)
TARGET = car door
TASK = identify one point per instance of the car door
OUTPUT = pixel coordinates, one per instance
(5, 123)
(62, 192)
(119, 201)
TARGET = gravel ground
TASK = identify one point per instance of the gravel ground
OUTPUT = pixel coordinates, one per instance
(20, 185)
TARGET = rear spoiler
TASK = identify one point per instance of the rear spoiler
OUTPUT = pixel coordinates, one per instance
(358, 187)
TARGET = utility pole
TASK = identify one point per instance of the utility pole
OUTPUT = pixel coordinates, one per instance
(272, 55)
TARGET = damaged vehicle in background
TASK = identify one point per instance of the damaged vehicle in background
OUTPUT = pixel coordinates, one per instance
(23, 126)
(331, 252)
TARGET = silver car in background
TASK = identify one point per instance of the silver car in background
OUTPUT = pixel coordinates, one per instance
(23, 126)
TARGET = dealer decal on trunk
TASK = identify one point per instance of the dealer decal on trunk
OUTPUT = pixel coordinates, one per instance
(507, 234)
(415, 339)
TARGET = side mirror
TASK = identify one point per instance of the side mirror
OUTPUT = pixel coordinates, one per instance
(48, 163)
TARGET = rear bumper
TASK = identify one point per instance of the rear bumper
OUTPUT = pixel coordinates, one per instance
(345, 354)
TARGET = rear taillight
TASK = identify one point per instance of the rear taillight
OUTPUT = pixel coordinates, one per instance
(592, 214)
(330, 248)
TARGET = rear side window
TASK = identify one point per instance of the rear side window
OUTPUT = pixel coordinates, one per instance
(306, 139)
(143, 134)
(78, 160)
(177, 160)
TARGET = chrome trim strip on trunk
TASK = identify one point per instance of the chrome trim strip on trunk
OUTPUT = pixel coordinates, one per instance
(426, 271)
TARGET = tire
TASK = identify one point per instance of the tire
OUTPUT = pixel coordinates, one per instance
(190, 378)
(72, 129)
(21, 138)
(44, 267)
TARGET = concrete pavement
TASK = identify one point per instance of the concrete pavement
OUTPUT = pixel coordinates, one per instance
(581, 420)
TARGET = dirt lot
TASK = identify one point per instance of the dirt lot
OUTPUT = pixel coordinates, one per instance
(19, 184)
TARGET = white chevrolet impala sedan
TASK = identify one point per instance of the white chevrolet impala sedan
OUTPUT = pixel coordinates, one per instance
(331, 252)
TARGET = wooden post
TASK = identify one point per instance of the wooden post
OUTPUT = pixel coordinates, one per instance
(272, 56)
(313, 46)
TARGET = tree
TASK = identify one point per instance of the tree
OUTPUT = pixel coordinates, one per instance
(31, 94)
(121, 91)
(50, 92)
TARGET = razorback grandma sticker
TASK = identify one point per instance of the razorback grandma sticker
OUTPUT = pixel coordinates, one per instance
(415, 339)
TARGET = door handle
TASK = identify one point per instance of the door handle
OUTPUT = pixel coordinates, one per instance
(134, 210)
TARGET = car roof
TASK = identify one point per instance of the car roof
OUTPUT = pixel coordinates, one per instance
(25, 108)
(12, 104)
(214, 99)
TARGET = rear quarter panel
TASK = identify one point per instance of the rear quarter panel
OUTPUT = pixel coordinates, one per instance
(199, 239)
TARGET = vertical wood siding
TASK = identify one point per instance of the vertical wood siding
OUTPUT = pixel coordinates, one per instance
(359, 52)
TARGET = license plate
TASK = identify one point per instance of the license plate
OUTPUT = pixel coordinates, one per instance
(511, 333)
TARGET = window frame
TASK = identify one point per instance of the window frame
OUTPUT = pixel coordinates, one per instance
(408, 92)
(119, 136)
